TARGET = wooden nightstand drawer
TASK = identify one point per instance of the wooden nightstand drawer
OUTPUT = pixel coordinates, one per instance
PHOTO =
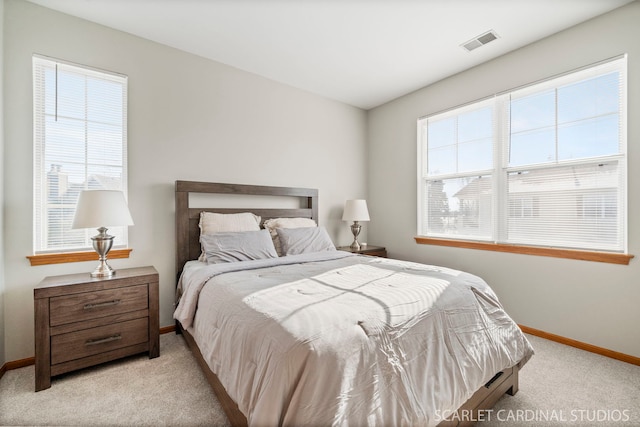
(87, 342)
(89, 305)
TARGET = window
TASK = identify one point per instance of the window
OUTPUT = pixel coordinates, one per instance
(544, 165)
(80, 142)
(459, 170)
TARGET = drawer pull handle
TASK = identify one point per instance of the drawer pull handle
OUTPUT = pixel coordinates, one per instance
(103, 340)
(101, 304)
(492, 380)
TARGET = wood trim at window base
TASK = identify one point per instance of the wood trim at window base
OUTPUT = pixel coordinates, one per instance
(608, 257)
(61, 258)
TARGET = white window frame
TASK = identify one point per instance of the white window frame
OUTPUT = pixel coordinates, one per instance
(43, 146)
(501, 167)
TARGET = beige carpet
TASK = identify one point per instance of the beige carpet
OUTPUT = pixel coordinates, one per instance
(559, 386)
(562, 385)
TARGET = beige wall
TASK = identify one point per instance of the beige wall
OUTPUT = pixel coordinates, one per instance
(190, 119)
(2, 225)
(591, 302)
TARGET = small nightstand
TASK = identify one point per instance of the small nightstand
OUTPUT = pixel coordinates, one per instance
(82, 321)
(371, 250)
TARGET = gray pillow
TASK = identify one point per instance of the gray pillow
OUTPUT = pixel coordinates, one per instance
(303, 240)
(237, 246)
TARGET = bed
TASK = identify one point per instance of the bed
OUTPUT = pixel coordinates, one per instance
(332, 338)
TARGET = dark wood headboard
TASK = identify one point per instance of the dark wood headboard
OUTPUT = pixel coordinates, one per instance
(188, 218)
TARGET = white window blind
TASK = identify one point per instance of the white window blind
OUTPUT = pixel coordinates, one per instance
(80, 142)
(559, 171)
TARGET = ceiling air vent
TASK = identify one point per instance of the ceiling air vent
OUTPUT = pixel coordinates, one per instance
(481, 40)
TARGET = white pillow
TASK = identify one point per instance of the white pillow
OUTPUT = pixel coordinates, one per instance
(273, 224)
(211, 222)
(304, 240)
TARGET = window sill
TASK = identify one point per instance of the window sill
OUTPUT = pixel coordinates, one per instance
(61, 258)
(612, 258)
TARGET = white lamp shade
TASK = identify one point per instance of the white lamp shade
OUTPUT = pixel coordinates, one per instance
(355, 210)
(101, 208)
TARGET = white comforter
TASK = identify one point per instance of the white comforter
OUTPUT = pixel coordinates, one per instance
(333, 339)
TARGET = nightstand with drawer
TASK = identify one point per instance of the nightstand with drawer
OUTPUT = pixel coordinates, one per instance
(82, 321)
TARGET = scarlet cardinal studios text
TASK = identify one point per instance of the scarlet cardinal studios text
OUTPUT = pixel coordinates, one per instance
(537, 415)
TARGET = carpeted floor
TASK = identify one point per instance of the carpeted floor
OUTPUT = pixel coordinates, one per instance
(562, 385)
(559, 386)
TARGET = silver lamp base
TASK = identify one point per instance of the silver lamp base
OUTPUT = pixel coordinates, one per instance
(103, 270)
(355, 229)
(102, 243)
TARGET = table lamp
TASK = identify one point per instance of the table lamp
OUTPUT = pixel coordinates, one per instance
(355, 210)
(101, 208)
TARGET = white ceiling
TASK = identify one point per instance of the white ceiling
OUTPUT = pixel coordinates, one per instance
(361, 52)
